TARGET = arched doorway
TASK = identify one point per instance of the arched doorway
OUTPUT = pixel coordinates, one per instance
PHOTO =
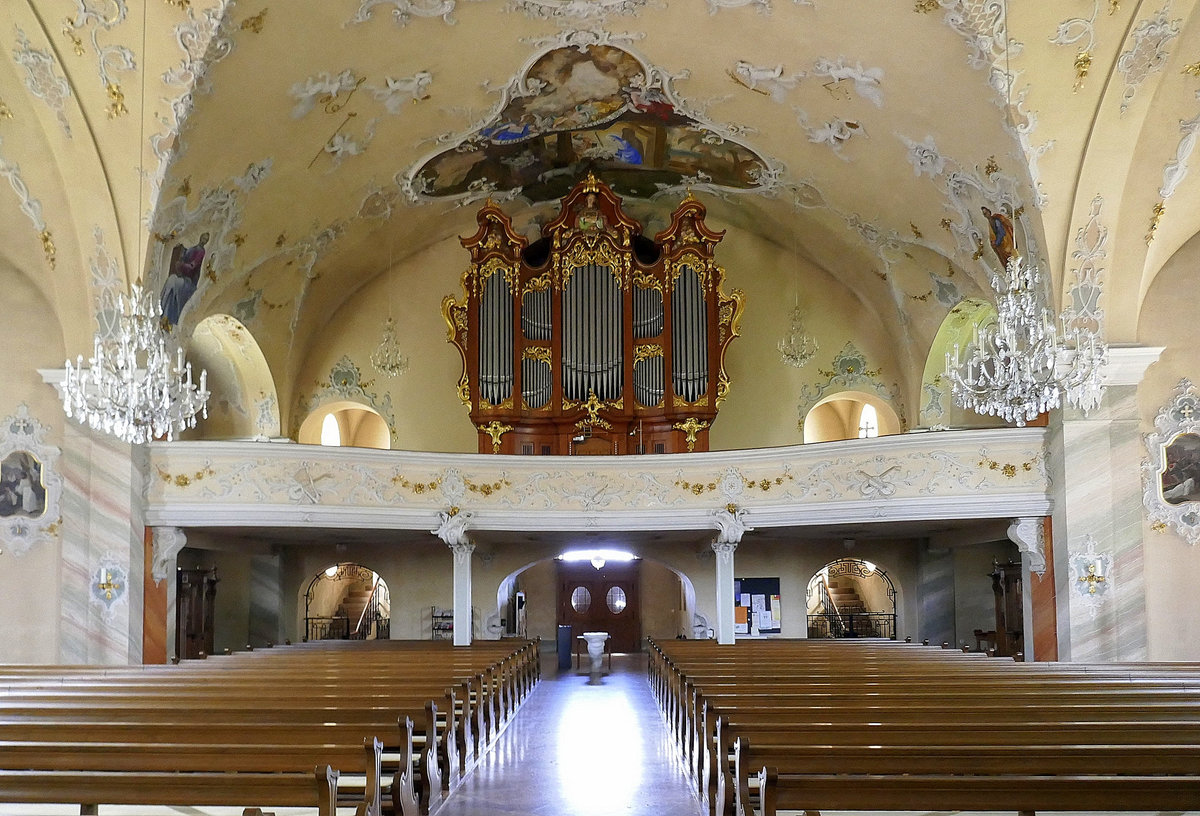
(851, 598)
(602, 595)
(527, 601)
(347, 602)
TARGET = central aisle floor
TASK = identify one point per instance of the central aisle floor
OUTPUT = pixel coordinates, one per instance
(576, 749)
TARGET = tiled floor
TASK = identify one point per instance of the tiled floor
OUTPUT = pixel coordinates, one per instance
(576, 749)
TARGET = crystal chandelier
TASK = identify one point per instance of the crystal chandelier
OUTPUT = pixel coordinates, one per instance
(798, 346)
(387, 358)
(137, 386)
(1020, 367)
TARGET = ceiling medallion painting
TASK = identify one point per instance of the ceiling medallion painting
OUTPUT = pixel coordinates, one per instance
(589, 108)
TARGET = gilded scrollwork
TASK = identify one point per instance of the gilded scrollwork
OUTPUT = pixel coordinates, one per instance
(646, 351)
(538, 353)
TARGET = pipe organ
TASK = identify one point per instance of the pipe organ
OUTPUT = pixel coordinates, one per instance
(593, 339)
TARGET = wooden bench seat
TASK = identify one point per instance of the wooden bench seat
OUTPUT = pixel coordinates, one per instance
(315, 789)
(803, 726)
(258, 724)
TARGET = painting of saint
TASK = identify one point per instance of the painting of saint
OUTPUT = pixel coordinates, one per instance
(182, 278)
(1002, 240)
(21, 490)
(1180, 479)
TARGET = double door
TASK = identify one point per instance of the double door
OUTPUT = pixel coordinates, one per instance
(601, 600)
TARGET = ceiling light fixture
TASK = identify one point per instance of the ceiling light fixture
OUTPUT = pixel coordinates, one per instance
(1021, 367)
(387, 358)
(137, 386)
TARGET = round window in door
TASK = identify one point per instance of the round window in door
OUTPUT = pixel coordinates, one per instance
(581, 599)
(616, 600)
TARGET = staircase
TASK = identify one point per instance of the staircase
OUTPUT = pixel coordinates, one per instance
(846, 598)
(353, 604)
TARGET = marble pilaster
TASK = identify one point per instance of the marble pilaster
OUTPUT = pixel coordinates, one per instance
(102, 544)
(1098, 493)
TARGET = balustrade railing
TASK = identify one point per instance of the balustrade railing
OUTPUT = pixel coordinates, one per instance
(853, 625)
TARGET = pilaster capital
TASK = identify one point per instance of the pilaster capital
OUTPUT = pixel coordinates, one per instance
(462, 551)
(1028, 533)
(166, 545)
(724, 550)
(731, 525)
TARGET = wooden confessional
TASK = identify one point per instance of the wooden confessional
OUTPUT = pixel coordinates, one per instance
(593, 339)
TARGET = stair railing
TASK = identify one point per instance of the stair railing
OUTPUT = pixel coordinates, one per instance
(370, 614)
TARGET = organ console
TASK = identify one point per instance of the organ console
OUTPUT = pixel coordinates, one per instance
(593, 339)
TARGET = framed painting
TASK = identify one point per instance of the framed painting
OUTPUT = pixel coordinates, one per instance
(1172, 474)
(30, 485)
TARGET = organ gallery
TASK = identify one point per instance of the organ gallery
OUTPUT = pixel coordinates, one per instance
(593, 339)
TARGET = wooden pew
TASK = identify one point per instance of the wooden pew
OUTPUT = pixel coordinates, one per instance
(150, 707)
(973, 788)
(860, 719)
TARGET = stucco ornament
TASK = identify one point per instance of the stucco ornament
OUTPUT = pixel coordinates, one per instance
(322, 86)
(95, 16)
(345, 382)
(924, 156)
(1171, 475)
(30, 206)
(205, 37)
(452, 527)
(865, 81)
(403, 11)
(394, 93)
(1092, 579)
(30, 484)
(1177, 168)
(109, 586)
(1029, 536)
(1149, 52)
(168, 542)
(453, 486)
(43, 80)
(770, 80)
(731, 525)
(574, 12)
(850, 371)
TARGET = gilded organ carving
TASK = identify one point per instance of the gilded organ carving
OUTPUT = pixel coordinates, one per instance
(594, 338)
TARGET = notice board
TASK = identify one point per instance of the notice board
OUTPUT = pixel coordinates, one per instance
(756, 607)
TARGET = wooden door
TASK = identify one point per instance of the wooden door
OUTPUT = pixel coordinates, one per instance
(602, 600)
(1010, 612)
(195, 603)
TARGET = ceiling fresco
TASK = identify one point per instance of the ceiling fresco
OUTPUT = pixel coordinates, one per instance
(596, 109)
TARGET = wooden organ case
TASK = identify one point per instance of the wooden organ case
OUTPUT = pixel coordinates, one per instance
(593, 339)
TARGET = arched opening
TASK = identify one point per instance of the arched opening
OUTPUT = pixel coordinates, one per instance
(958, 329)
(527, 598)
(849, 415)
(347, 601)
(244, 404)
(346, 424)
(851, 598)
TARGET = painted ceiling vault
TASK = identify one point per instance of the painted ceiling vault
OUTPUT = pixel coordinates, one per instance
(272, 161)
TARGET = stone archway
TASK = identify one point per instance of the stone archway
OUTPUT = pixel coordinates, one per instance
(851, 598)
(346, 601)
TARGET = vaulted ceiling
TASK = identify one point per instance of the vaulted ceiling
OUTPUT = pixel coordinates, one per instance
(319, 145)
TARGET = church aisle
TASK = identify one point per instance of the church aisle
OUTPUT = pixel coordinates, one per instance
(576, 749)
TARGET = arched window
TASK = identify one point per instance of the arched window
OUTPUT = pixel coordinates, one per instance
(345, 423)
(868, 422)
(331, 434)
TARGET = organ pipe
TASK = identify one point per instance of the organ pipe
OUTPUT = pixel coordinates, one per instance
(603, 341)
